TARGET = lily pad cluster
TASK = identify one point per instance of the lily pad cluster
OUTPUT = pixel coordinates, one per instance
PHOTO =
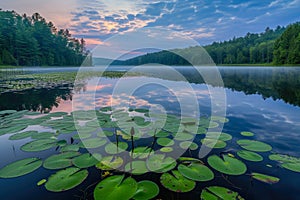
(114, 149)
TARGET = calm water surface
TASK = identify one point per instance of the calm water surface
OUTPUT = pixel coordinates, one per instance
(264, 101)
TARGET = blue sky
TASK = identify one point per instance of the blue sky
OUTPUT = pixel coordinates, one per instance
(203, 20)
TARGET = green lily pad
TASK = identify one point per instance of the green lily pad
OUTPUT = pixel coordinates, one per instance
(219, 136)
(165, 142)
(20, 168)
(136, 167)
(115, 188)
(213, 143)
(196, 172)
(60, 161)
(265, 178)
(253, 145)
(166, 149)
(183, 136)
(22, 135)
(247, 134)
(162, 134)
(71, 147)
(146, 190)
(227, 165)
(142, 152)
(39, 145)
(219, 119)
(112, 148)
(92, 143)
(82, 136)
(287, 162)
(190, 145)
(42, 135)
(110, 163)
(66, 179)
(160, 163)
(41, 182)
(219, 193)
(177, 182)
(86, 160)
(250, 156)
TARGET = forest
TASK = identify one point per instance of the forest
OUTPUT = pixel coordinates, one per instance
(280, 46)
(32, 41)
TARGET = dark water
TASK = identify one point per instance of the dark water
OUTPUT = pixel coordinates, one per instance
(264, 101)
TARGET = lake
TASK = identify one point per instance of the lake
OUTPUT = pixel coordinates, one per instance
(257, 109)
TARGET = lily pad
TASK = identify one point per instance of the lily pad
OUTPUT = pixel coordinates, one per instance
(71, 147)
(22, 135)
(183, 136)
(265, 178)
(60, 161)
(136, 167)
(250, 156)
(219, 136)
(39, 145)
(219, 193)
(42, 135)
(166, 149)
(177, 182)
(160, 163)
(41, 182)
(113, 148)
(92, 143)
(115, 188)
(227, 165)
(247, 134)
(196, 172)
(86, 160)
(66, 179)
(190, 145)
(20, 168)
(146, 190)
(110, 163)
(287, 162)
(213, 143)
(253, 145)
(165, 142)
(142, 152)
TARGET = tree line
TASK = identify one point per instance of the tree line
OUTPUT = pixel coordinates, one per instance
(273, 46)
(32, 41)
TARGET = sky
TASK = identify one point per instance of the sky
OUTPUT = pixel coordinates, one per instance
(205, 21)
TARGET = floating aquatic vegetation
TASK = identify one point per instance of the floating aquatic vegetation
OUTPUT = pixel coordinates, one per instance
(177, 182)
(20, 168)
(227, 165)
(250, 156)
(160, 163)
(66, 179)
(110, 163)
(146, 190)
(247, 134)
(166, 149)
(165, 142)
(136, 167)
(22, 135)
(213, 143)
(115, 188)
(288, 162)
(86, 160)
(265, 178)
(188, 145)
(253, 145)
(60, 161)
(92, 143)
(196, 171)
(218, 136)
(115, 148)
(219, 193)
(39, 145)
(41, 182)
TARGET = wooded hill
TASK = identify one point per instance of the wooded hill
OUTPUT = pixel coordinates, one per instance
(32, 41)
(279, 47)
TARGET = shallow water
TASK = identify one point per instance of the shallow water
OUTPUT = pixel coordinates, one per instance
(265, 101)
